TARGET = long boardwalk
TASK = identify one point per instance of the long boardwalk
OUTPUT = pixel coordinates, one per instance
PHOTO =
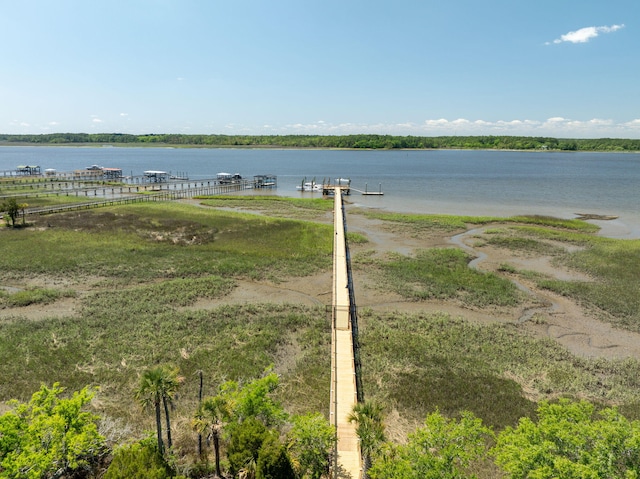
(121, 198)
(343, 376)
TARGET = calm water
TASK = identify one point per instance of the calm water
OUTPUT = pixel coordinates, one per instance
(454, 182)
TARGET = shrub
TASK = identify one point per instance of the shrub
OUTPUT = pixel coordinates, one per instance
(140, 460)
(273, 460)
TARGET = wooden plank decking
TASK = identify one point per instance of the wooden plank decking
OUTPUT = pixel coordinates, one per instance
(343, 379)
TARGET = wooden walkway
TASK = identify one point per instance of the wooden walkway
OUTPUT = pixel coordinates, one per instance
(160, 195)
(343, 370)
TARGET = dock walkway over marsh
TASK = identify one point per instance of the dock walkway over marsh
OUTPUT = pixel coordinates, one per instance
(344, 356)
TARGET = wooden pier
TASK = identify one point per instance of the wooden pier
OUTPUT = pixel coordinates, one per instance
(346, 388)
(328, 189)
(370, 193)
(127, 194)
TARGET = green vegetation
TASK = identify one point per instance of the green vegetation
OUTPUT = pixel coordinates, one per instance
(611, 264)
(571, 440)
(334, 141)
(452, 223)
(421, 362)
(50, 436)
(12, 209)
(442, 449)
(140, 460)
(444, 274)
(151, 280)
(368, 418)
(158, 388)
(32, 296)
(275, 206)
(152, 240)
(312, 440)
(251, 422)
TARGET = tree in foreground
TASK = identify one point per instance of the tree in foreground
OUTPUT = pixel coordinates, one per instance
(244, 446)
(442, 449)
(254, 400)
(368, 417)
(210, 420)
(247, 418)
(50, 436)
(311, 442)
(158, 387)
(273, 460)
(571, 440)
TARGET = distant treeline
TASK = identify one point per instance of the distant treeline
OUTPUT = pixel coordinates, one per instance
(338, 141)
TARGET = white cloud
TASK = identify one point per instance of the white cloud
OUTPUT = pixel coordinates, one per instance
(558, 127)
(583, 35)
(96, 120)
(436, 123)
(124, 114)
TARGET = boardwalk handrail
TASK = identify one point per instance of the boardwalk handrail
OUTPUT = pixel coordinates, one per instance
(353, 316)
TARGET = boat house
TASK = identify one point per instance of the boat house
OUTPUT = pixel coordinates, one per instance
(28, 170)
(153, 176)
(112, 173)
(265, 181)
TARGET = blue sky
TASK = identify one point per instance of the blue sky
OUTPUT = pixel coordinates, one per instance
(563, 68)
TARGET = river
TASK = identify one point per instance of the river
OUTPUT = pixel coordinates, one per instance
(474, 182)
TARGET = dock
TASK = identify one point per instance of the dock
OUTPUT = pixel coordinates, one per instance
(370, 193)
(346, 387)
(344, 184)
(105, 194)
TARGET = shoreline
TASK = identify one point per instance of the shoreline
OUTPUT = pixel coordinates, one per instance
(287, 148)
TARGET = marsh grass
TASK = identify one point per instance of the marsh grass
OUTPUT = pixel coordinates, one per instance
(453, 223)
(419, 362)
(33, 296)
(119, 333)
(443, 273)
(276, 206)
(168, 240)
(48, 198)
(613, 265)
(527, 245)
(165, 268)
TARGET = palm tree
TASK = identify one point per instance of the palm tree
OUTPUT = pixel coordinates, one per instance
(210, 419)
(368, 417)
(158, 387)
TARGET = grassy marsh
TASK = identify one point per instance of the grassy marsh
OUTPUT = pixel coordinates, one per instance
(611, 264)
(152, 240)
(443, 273)
(156, 264)
(453, 223)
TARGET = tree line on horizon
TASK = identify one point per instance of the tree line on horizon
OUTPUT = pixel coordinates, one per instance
(334, 141)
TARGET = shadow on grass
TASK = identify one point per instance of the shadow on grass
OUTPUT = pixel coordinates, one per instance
(497, 401)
